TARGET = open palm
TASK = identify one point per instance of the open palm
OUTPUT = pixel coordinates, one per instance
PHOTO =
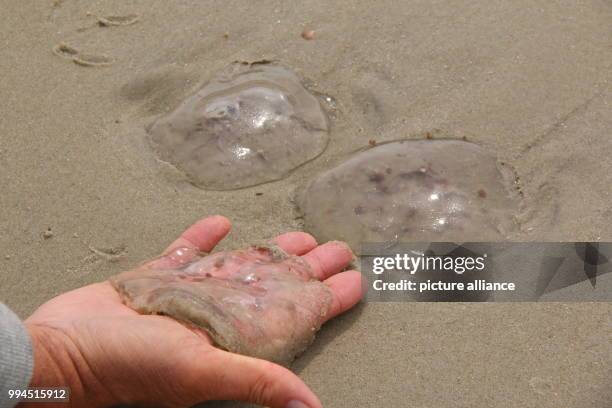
(109, 354)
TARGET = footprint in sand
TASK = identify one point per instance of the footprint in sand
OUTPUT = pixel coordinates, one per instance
(88, 60)
(94, 60)
(91, 60)
(110, 21)
(541, 386)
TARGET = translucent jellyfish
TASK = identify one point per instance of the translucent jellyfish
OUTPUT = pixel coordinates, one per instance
(412, 191)
(251, 124)
(258, 302)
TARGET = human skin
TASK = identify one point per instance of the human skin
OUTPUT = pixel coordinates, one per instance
(108, 354)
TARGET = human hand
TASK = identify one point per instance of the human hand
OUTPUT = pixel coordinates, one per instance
(109, 354)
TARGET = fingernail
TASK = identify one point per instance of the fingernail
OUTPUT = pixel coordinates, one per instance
(296, 404)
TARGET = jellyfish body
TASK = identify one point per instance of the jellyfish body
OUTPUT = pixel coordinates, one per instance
(251, 124)
(412, 191)
(258, 301)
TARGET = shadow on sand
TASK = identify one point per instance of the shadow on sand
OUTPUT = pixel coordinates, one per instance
(327, 333)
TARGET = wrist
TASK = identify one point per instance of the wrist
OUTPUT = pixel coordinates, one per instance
(58, 363)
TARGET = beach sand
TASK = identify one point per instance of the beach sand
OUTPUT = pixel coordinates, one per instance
(83, 196)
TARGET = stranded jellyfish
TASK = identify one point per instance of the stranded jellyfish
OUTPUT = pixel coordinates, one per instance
(251, 124)
(413, 191)
(258, 302)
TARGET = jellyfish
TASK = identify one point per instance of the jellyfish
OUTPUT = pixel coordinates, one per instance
(412, 191)
(259, 301)
(250, 124)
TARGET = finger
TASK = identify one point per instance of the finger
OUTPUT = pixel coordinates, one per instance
(329, 258)
(200, 237)
(348, 289)
(203, 235)
(296, 243)
(237, 377)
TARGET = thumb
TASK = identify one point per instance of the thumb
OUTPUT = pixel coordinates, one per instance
(241, 378)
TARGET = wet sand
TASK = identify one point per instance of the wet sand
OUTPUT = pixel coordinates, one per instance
(84, 198)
